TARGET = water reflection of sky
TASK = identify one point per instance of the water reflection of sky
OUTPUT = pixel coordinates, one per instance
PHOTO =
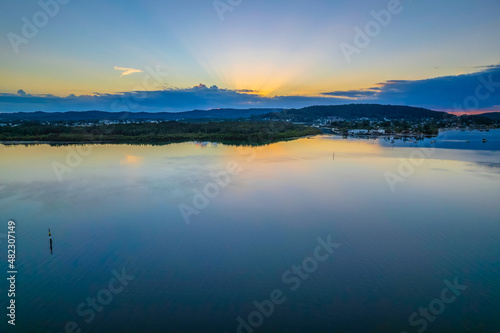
(144, 174)
(119, 207)
(453, 139)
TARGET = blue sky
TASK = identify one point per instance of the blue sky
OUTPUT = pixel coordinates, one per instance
(181, 55)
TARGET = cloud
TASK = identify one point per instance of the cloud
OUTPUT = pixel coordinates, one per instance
(441, 93)
(21, 92)
(478, 91)
(127, 71)
(170, 100)
(486, 67)
(351, 93)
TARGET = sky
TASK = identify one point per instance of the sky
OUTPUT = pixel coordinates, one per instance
(152, 55)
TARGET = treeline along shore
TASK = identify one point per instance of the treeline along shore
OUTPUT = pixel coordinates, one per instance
(251, 126)
(240, 132)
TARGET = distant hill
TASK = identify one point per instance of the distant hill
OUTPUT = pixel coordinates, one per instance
(491, 115)
(101, 115)
(349, 111)
(355, 111)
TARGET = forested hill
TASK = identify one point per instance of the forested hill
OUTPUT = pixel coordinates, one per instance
(491, 115)
(311, 113)
(355, 111)
(101, 115)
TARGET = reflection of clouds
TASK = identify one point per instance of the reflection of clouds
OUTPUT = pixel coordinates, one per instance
(172, 179)
(91, 190)
(286, 159)
(166, 179)
(440, 169)
(460, 141)
(488, 167)
(195, 171)
(484, 169)
(204, 144)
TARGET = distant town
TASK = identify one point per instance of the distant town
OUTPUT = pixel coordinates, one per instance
(232, 125)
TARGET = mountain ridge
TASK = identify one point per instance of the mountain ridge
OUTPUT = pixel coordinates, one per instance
(310, 113)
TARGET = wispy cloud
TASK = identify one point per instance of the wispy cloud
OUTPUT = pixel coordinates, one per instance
(127, 71)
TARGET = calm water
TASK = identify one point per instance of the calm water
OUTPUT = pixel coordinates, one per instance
(118, 209)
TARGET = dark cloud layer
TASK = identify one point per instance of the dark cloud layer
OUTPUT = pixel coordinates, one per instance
(352, 93)
(479, 91)
(174, 100)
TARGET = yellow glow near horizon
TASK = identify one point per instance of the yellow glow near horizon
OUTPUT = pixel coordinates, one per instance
(132, 160)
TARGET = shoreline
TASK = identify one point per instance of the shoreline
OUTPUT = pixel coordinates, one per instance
(414, 135)
(149, 143)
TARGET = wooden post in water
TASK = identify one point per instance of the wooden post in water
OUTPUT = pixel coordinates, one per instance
(50, 239)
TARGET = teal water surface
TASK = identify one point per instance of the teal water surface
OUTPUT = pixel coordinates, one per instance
(190, 237)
